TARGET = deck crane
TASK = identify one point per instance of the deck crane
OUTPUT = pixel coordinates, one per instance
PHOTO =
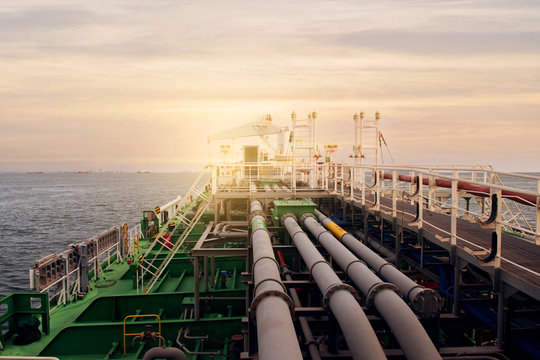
(262, 128)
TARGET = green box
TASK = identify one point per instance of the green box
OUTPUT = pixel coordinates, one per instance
(295, 207)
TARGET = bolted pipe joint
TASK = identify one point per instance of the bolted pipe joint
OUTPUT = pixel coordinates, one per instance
(259, 298)
(305, 216)
(333, 289)
(377, 288)
(427, 304)
(285, 216)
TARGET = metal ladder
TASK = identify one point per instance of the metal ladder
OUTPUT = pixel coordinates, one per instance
(147, 264)
(156, 271)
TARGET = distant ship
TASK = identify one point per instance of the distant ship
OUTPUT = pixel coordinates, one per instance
(82, 172)
(35, 172)
(143, 172)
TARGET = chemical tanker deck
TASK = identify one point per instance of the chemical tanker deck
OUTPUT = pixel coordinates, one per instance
(290, 255)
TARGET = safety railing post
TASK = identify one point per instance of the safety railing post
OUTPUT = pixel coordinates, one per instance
(335, 177)
(351, 181)
(394, 193)
(363, 185)
(420, 200)
(378, 187)
(538, 216)
(326, 175)
(454, 211)
(342, 180)
(498, 227)
(411, 174)
(431, 192)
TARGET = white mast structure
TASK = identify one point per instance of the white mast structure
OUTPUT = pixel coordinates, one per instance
(304, 149)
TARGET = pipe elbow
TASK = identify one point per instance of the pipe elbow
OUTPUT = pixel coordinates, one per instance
(169, 353)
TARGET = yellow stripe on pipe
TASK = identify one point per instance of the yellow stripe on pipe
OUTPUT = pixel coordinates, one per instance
(336, 230)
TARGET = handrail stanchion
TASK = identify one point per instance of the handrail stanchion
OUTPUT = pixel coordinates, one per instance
(394, 193)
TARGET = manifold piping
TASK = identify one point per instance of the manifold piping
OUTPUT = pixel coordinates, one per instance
(405, 326)
(425, 302)
(359, 334)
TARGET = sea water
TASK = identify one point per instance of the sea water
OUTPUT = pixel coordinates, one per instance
(41, 214)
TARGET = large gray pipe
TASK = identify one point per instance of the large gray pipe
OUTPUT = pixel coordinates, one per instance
(425, 302)
(356, 328)
(405, 326)
(276, 336)
(377, 246)
(310, 340)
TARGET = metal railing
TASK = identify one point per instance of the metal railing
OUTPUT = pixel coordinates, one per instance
(60, 275)
(460, 191)
(448, 190)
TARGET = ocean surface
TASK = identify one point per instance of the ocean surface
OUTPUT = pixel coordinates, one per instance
(41, 214)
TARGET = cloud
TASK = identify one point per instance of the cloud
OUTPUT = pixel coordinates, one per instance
(452, 43)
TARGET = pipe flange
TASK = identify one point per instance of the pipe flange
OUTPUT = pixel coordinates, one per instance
(269, 279)
(378, 287)
(259, 298)
(427, 304)
(256, 213)
(306, 216)
(285, 272)
(286, 215)
(333, 288)
(259, 259)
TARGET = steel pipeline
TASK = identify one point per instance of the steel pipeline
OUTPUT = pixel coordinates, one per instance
(272, 306)
(310, 340)
(359, 334)
(482, 191)
(425, 302)
(405, 326)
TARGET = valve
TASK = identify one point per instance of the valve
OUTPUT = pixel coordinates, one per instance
(148, 335)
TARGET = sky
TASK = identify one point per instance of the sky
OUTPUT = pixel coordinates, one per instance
(130, 85)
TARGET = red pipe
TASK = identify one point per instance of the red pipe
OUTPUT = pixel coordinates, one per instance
(473, 189)
(281, 258)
